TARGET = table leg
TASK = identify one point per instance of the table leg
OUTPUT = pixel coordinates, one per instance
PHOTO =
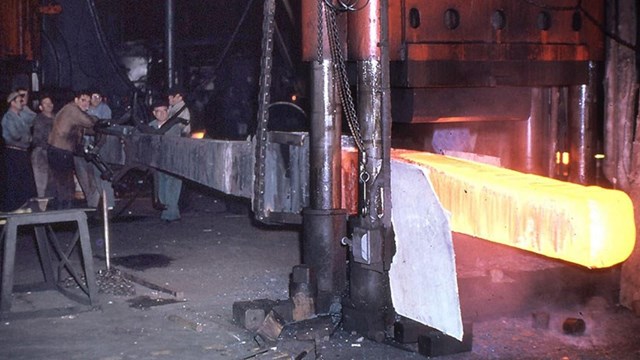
(8, 265)
(45, 255)
(87, 258)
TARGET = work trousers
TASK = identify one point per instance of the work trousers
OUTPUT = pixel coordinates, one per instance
(92, 184)
(168, 188)
(60, 185)
(40, 166)
(19, 185)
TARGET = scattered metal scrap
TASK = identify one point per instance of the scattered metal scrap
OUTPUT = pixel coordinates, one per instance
(113, 282)
(277, 332)
(109, 282)
(145, 302)
(152, 286)
(118, 282)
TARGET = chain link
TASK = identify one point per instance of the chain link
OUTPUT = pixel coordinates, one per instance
(268, 26)
(340, 72)
(342, 5)
(320, 42)
(341, 78)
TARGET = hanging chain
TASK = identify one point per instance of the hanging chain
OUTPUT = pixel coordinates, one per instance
(349, 5)
(268, 26)
(340, 72)
(344, 91)
(320, 41)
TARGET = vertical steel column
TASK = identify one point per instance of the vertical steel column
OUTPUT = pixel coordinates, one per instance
(369, 307)
(325, 146)
(322, 251)
(582, 117)
(364, 46)
(169, 41)
(370, 119)
(324, 222)
(385, 114)
(554, 118)
(326, 110)
(536, 133)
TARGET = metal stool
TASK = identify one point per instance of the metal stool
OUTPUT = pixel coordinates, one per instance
(41, 221)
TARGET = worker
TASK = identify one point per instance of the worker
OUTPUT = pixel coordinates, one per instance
(178, 108)
(168, 187)
(97, 106)
(89, 177)
(16, 133)
(42, 125)
(24, 93)
(63, 143)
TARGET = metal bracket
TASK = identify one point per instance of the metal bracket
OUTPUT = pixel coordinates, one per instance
(365, 245)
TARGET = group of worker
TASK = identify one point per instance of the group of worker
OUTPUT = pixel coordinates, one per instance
(44, 151)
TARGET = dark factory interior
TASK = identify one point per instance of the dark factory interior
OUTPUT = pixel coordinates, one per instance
(360, 179)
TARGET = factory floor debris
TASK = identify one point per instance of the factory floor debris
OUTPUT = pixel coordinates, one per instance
(171, 288)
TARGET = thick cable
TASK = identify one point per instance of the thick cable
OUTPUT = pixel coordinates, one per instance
(106, 49)
(229, 43)
(54, 51)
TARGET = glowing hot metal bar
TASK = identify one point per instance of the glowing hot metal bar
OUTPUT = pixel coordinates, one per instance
(585, 225)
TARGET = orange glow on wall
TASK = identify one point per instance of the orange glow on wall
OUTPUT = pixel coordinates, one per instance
(586, 225)
(197, 135)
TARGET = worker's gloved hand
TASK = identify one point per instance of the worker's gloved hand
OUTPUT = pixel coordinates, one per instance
(101, 124)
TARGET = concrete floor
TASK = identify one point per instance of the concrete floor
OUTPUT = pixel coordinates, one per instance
(216, 257)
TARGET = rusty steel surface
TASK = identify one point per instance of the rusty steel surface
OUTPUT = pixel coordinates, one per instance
(583, 118)
(492, 43)
(488, 73)
(349, 178)
(326, 117)
(469, 62)
(364, 33)
(537, 134)
(371, 125)
(445, 105)
(19, 29)
(310, 29)
(501, 30)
